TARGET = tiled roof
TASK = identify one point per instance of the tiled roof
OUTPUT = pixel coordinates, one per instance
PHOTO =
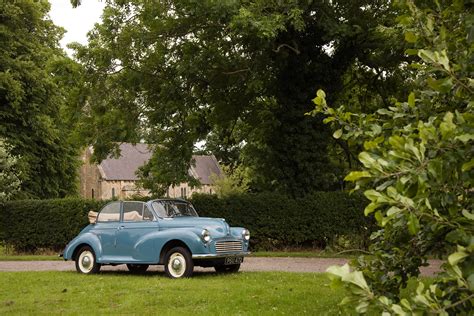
(134, 156)
(204, 168)
(131, 158)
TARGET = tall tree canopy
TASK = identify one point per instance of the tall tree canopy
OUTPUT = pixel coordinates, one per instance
(239, 74)
(33, 92)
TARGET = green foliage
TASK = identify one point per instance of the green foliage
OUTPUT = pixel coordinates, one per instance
(28, 225)
(9, 175)
(33, 95)
(179, 72)
(274, 220)
(417, 172)
(277, 221)
(231, 182)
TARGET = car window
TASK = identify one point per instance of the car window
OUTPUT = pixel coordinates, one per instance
(110, 213)
(133, 211)
(173, 208)
(160, 209)
(147, 214)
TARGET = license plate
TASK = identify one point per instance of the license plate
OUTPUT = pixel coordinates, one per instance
(233, 260)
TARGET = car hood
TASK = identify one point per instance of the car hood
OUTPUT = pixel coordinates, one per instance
(216, 226)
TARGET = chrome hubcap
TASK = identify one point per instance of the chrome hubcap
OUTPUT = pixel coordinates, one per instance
(177, 265)
(86, 261)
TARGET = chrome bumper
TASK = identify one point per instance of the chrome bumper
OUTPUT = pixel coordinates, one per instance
(217, 256)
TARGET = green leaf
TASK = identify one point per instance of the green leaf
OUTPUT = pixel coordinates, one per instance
(372, 195)
(413, 224)
(454, 258)
(465, 137)
(468, 215)
(411, 99)
(447, 126)
(320, 93)
(468, 165)
(337, 134)
(329, 119)
(410, 37)
(356, 175)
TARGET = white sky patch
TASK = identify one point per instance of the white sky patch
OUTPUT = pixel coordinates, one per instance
(77, 22)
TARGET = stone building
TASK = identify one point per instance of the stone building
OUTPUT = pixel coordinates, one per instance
(116, 177)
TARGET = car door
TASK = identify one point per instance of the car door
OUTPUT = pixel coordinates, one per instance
(134, 235)
(106, 227)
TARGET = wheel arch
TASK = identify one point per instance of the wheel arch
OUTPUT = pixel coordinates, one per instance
(78, 247)
(171, 244)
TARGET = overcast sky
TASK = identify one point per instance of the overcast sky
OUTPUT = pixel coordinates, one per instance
(78, 21)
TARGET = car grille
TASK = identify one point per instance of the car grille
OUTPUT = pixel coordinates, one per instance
(228, 246)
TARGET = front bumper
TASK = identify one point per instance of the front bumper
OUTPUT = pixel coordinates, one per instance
(218, 256)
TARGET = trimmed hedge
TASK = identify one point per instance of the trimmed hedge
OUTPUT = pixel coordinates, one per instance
(28, 225)
(276, 221)
(273, 220)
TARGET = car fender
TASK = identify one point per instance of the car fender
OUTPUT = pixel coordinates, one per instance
(190, 237)
(89, 239)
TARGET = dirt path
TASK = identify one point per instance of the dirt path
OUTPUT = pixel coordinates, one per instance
(250, 264)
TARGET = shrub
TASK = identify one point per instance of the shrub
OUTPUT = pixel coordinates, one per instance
(31, 224)
(275, 221)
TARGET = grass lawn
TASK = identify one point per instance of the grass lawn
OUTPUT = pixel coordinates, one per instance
(28, 258)
(253, 293)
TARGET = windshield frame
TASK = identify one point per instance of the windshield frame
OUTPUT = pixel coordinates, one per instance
(173, 208)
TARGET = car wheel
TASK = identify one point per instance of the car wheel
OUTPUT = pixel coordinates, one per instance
(232, 268)
(137, 268)
(85, 261)
(178, 263)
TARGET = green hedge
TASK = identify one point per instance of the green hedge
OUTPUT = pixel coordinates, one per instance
(277, 221)
(273, 220)
(28, 225)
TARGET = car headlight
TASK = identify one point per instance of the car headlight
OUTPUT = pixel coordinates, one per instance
(205, 235)
(246, 234)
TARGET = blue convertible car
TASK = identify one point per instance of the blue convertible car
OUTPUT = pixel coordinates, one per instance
(164, 231)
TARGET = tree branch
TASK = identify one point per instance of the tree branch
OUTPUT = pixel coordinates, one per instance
(295, 50)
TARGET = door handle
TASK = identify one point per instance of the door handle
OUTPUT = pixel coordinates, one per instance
(121, 227)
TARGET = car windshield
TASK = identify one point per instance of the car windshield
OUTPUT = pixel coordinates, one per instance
(171, 208)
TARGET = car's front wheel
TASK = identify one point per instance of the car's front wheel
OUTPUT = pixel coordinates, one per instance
(86, 262)
(178, 263)
(137, 268)
(232, 268)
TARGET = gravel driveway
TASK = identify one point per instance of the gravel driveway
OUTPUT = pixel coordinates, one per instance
(250, 264)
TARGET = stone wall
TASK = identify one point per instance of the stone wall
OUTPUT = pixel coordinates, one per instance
(89, 178)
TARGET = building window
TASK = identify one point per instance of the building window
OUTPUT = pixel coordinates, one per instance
(183, 193)
(210, 191)
(92, 193)
(113, 193)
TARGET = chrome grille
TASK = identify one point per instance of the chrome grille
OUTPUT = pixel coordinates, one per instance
(228, 246)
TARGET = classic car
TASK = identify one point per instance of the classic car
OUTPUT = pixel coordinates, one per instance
(165, 232)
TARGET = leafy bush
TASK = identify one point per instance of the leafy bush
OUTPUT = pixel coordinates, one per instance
(31, 224)
(418, 172)
(277, 221)
(274, 220)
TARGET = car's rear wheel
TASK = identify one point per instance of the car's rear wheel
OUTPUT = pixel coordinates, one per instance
(137, 268)
(178, 263)
(86, 262)
(232, 268)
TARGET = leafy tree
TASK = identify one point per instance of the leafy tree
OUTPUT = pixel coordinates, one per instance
(33, 93)
(9, 176)
(240, 72)
(417, 169)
